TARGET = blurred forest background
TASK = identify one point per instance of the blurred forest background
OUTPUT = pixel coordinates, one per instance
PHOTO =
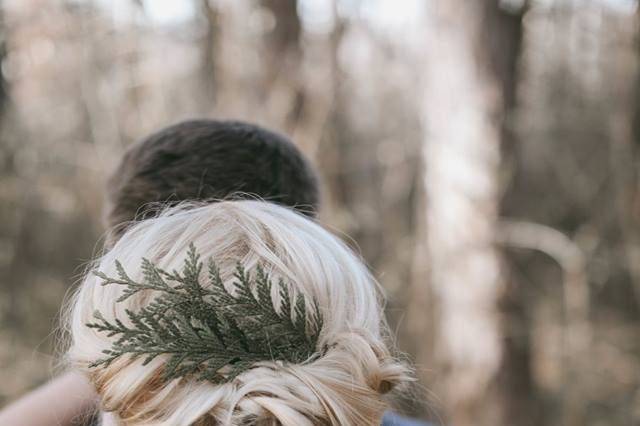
(484, 155)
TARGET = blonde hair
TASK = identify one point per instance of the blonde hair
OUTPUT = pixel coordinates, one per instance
(343, 387)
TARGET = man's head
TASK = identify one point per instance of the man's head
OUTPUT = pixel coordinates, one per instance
(208, 160)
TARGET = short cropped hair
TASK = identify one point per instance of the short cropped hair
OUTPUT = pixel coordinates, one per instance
(200, 160)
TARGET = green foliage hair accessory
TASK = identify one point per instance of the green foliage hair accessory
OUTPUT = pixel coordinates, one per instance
(209, 332)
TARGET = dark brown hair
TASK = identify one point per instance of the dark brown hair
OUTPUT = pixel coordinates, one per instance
(208, 160)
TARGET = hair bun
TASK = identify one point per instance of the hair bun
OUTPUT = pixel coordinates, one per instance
(343, 387)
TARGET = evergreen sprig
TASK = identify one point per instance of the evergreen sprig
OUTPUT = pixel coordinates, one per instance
(210, 332)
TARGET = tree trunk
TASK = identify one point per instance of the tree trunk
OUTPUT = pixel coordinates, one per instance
(504, 34)
(332, 157)
(283, 57)
(209, 54)
(285, 35)
(463, 108)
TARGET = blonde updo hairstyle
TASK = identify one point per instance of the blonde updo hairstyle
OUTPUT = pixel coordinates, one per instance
(345, 386)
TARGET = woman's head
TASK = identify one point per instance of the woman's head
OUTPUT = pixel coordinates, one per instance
(343, 386)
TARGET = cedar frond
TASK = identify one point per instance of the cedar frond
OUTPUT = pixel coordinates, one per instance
(202, 330)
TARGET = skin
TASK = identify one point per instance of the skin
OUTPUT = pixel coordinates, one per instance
(64, 401)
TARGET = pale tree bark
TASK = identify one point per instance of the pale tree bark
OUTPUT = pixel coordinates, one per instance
(462, 105)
